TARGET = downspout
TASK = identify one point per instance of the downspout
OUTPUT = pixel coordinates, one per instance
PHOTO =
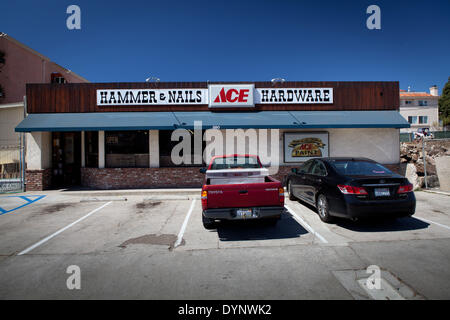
(23, 145)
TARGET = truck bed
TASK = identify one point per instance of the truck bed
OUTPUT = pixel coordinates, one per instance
(243, 195)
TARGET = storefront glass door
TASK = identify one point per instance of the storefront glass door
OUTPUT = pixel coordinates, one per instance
(66, 159)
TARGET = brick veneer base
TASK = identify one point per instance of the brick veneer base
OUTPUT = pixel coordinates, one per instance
(38, 180)
(173, 177)
(126, 178)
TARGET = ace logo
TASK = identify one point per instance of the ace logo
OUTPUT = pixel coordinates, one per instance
(231, 96)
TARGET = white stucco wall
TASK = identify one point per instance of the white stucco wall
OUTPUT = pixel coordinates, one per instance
(39, 150)
(379, 144)
(242, 142)
(101, 149)
(153, 148)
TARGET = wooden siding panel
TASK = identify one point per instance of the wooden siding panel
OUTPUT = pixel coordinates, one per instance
(81, 97)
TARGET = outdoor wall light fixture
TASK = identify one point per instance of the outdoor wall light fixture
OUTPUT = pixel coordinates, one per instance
(152, 78)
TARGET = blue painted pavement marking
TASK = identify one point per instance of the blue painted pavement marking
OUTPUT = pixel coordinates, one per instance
(28, 199)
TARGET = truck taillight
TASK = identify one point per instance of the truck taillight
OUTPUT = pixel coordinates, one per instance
(204, 198)
(352, 190)
(405, 188)
(281, 195)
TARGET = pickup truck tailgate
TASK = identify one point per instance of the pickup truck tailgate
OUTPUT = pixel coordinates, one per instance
(243, 195)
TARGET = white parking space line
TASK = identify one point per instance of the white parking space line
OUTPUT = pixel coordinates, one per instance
(429, 221)
(61, 230)
(304, 224)
(183, 227)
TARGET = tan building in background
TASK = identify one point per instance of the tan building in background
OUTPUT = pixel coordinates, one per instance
(420, 109)
(21, 65)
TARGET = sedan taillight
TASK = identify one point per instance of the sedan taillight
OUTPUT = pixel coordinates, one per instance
(405, 188)
(352, 190)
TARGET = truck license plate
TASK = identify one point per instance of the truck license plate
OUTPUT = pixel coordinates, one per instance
(382, 192)
(244, 213)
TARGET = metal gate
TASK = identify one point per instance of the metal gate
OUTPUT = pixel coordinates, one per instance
(12, 168)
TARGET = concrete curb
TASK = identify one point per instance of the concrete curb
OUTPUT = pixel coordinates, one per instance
(437, 192)
(124, 193)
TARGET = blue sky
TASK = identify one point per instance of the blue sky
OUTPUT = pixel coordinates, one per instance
(240, 40)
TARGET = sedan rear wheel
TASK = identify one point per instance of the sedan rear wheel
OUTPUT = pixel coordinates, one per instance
(322, 208)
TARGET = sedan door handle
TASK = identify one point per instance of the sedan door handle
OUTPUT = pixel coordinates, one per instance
(318, 180)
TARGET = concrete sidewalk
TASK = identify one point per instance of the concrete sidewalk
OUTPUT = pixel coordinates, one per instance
(118, 195)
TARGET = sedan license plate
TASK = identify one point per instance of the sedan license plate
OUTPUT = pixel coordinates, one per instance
(244, 213)
(382, 192)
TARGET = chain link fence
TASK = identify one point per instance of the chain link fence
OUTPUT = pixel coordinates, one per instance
(409, 136)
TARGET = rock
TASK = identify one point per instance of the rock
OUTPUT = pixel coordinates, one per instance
(411, 175)
(432, 181)
(431, 169)
(411, 153)
(443, 172)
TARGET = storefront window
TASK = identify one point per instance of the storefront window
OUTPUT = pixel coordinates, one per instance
(127, 149)
(91, 149)
(165, 149)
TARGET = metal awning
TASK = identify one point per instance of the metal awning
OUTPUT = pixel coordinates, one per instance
(293, 119)
(97, 121)
(350, 119)
(220, 120)
(235, 120)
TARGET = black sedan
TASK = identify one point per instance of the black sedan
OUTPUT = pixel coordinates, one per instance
(351, 188)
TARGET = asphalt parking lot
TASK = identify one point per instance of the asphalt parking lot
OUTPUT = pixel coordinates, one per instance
(152, 245)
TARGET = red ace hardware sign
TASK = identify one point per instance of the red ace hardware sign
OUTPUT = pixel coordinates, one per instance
(216, 96)
(231, 95)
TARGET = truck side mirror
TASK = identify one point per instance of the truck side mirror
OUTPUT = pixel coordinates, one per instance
(202, 170)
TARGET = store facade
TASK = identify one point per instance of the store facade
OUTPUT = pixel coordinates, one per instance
(125, 135)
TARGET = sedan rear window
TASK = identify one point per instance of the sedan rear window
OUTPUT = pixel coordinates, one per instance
(235, 163)
(359, 168)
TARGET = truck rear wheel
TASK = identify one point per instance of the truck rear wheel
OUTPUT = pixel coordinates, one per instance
(208, 223)
(271, 221)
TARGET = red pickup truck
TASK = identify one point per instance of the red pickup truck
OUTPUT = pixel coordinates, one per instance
(237, 187)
